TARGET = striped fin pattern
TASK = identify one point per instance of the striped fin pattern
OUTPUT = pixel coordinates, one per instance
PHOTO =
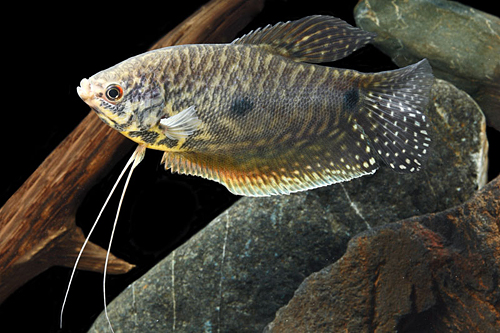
(312, 39)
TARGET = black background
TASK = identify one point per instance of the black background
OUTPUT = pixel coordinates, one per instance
(48, 49)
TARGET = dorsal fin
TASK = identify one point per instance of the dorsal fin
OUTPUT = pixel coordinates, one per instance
(311, 39)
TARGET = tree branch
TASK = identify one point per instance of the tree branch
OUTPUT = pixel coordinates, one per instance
(37, 224)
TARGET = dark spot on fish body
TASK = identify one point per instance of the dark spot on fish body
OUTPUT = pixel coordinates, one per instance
(146, 136)
(241, 106)
(350, 100)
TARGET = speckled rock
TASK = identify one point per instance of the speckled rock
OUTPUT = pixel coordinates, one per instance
(461, 43)
(433, 273)
(238, 271)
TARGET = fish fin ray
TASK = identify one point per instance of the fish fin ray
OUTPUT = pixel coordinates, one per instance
(313, 39)
(392, 115)
(181, 125)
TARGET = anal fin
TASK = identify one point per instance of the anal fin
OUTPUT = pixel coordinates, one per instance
(296, 166)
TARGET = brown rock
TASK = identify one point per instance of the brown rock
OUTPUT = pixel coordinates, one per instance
(434, 273)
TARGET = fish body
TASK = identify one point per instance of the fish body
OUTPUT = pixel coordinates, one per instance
(260, 116)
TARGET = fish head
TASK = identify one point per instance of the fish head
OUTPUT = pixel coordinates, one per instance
(126, 96)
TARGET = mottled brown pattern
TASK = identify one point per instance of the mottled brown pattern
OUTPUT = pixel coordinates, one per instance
(295, 107)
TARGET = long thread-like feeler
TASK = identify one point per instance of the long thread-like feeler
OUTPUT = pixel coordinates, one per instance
(135, 159)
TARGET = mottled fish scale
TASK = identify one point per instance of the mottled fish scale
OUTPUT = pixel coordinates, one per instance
(304, 119)
(293, 164)
(256, 127)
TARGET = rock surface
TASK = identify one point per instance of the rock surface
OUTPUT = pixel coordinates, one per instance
(461, 43)
(238, 271)
(433, 273)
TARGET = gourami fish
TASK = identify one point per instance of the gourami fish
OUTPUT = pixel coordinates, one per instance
(259, 116)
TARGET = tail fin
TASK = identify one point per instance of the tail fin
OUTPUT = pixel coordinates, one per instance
(392, 115)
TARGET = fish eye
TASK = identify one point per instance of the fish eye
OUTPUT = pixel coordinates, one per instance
(114, 92)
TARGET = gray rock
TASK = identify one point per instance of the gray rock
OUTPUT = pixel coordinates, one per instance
(461, 43)
(238, 271)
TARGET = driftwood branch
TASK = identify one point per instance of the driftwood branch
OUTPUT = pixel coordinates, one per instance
(37, 224)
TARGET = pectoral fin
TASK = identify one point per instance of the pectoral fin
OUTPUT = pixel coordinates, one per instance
(181, 125)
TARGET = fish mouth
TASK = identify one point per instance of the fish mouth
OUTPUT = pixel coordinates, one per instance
(85, 90)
